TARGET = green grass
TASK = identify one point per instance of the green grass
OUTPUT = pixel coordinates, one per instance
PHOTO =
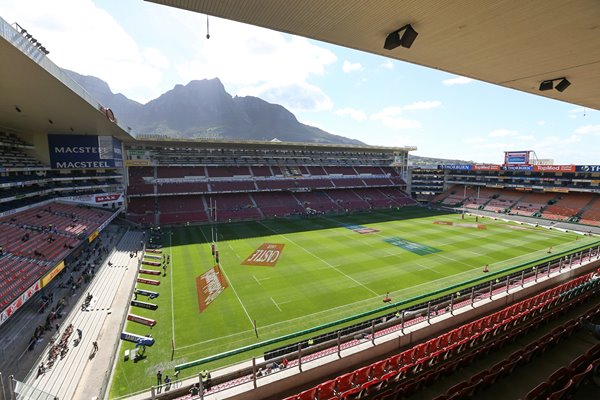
(326, 272)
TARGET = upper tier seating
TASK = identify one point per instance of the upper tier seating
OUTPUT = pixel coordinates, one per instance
(223, 172)
(261, 171)
(340, 170)
(180, 172)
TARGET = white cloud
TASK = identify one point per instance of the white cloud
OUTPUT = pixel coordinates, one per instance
(541, 123)
(391, 116)
(461, 80)
(389, 64)
(502, 133)
(156, 58)
(83, 37)
(576, 112)
(249, 56)
(351, 67)
(358, 115)
(587, 129)
(297, 97)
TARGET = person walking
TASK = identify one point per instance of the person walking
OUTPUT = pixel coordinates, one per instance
(79, 333)
(95, 344)
(159, 378)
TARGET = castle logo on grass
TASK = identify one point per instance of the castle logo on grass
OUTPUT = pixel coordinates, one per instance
(267, 254)
(209, 285)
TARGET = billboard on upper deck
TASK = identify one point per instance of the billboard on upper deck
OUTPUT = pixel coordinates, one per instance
(587, 168)
(554, 168)
(84, 152)
(516, 157)
(455, 167)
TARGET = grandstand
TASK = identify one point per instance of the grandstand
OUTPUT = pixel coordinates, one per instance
(466, 334)
(537, 191)
(269, 180)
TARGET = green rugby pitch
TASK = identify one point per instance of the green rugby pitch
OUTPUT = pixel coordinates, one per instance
(326, 270)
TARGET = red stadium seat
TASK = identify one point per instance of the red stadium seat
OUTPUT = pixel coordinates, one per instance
(310, 394)
(559, 394)
(362, 375)
(326, 390)
(379, 368)
(344, 382)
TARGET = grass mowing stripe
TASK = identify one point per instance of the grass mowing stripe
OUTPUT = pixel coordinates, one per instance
(316, 293)
(232, 287)
(172, 278)
(319, 258)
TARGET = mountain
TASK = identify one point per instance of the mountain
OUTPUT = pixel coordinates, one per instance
(202, 109)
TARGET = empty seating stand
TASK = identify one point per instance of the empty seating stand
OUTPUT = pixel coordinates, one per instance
(35, 240)
(418, 366)
(156, 194)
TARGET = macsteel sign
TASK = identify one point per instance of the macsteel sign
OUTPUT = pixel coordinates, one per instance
(84, 152)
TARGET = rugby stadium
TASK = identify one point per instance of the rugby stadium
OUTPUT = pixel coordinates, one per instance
(158, 268)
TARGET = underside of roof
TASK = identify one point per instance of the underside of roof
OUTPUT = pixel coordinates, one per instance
(511, 43)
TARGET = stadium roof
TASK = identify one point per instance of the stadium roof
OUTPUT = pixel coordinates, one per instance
(511, 43)
(157, 140)
(36, 96)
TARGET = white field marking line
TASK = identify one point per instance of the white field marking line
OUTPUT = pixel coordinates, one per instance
(257, 281)
(318, 258)
(453, 259)
(429, 268)
(328, 311)
(231, 285)
(171, 278)
(479, 253)
(276, 305)
(324, 312)
(234, 252)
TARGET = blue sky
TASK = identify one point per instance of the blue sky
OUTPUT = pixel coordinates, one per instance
(142, 50)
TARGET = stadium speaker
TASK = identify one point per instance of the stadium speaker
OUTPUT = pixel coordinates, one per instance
(548, 84)
(404, 37)
(562, 85)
